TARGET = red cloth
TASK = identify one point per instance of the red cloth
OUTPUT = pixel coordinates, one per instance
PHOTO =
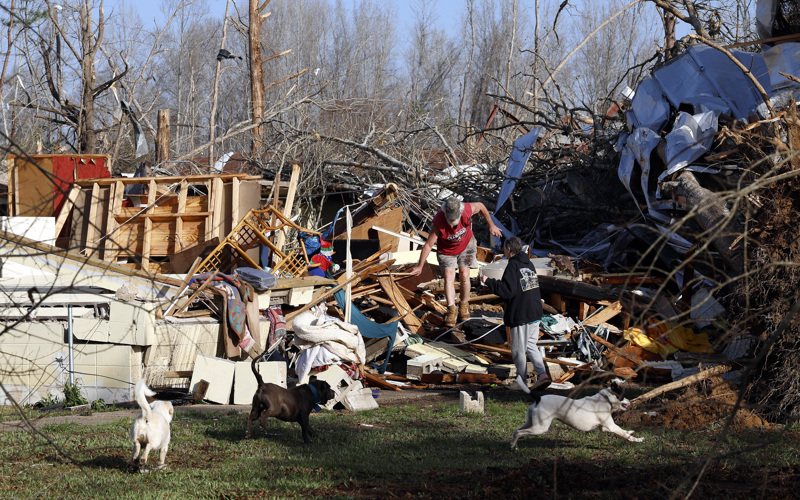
(351, 369)
(453, 240)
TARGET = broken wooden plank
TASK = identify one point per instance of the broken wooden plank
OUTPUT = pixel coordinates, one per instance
(180, 308)
(289, 204)
(697, 377)
(290, 316)
(569, 373)
(603, 315)
(148, 225)
(111, 246)
(619, 352)
(178, 374)
(93, 228)
(184, 284)
(463, 378)
(66, 209)
(378, 382)
(400, 304)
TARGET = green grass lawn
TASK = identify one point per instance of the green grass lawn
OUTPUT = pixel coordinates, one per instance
(421, 450)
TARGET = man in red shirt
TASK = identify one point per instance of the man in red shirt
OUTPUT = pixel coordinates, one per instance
(455, 249)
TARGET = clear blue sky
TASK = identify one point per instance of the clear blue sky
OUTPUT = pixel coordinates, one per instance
(447, 11)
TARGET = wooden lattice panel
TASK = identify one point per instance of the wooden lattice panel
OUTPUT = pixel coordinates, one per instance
(249, 232)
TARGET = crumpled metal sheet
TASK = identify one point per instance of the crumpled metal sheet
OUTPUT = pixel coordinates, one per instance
(707, 82)
(691, 136)
(649, 108)
(516, 163)
(704, 75)
(783, 58)
(642, 143)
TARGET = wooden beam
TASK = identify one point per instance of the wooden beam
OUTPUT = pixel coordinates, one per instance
(697, 377)
(162, 136)
(404, 310)
(92, 230)
(604, 314)
(289, 203)
(66, 209)
(148, 225)
(167, 179)
(179, 245)
(290, 316)
(619, 352)
(115, 203)
(218, 216)
(377, 382)
(463, 378)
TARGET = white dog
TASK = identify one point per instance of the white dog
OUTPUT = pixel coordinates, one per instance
(585, 414)
(150, 430)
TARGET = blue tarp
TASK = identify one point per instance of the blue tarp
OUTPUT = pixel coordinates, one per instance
(368, 328)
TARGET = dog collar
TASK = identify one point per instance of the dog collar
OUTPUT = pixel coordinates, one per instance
(316, 397)
(611, 403)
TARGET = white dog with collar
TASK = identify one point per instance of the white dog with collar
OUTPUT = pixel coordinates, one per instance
(585, 414)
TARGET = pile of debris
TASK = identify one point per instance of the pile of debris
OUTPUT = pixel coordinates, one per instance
(671, 268)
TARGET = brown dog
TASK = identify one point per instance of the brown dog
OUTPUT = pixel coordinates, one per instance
(290, 405)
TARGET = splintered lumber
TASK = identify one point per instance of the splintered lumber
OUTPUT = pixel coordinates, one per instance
(365, 265)
(416, 299)
(66, 209)
(568, 375)
(500, 350)
(463, 378)
(604, 314)
(404, 310)
(697, 377)
(378, 382)
(290, 316)
(619, 352)
(180, 308)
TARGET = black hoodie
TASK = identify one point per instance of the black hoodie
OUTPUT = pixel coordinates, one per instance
(519, 289)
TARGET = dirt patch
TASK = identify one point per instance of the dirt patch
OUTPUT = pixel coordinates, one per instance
(696, 407)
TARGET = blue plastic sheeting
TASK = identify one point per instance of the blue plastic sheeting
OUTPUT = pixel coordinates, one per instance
(516, 163)
(327, 235)
(369, 328)
(703, 75)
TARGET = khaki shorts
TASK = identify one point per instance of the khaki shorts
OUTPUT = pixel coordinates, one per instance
(464, 259)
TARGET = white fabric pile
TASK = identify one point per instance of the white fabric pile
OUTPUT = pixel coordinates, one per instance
(325, 341)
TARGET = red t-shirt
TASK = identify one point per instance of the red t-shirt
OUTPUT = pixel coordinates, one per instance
(453, 240)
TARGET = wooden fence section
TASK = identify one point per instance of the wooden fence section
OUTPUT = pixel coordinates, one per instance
(140, 222)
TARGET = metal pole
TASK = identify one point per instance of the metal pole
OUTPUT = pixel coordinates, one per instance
(71, 352)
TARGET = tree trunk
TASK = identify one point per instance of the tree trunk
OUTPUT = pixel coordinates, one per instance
(90, 41)
(257, 73)
(212, 119)
(669, 34)
(162, 137)
(712, 214)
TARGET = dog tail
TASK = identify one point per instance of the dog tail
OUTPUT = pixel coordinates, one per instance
(255, 372)
(140, 392)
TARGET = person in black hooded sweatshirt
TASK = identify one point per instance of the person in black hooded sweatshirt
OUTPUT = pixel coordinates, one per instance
(519, 289)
